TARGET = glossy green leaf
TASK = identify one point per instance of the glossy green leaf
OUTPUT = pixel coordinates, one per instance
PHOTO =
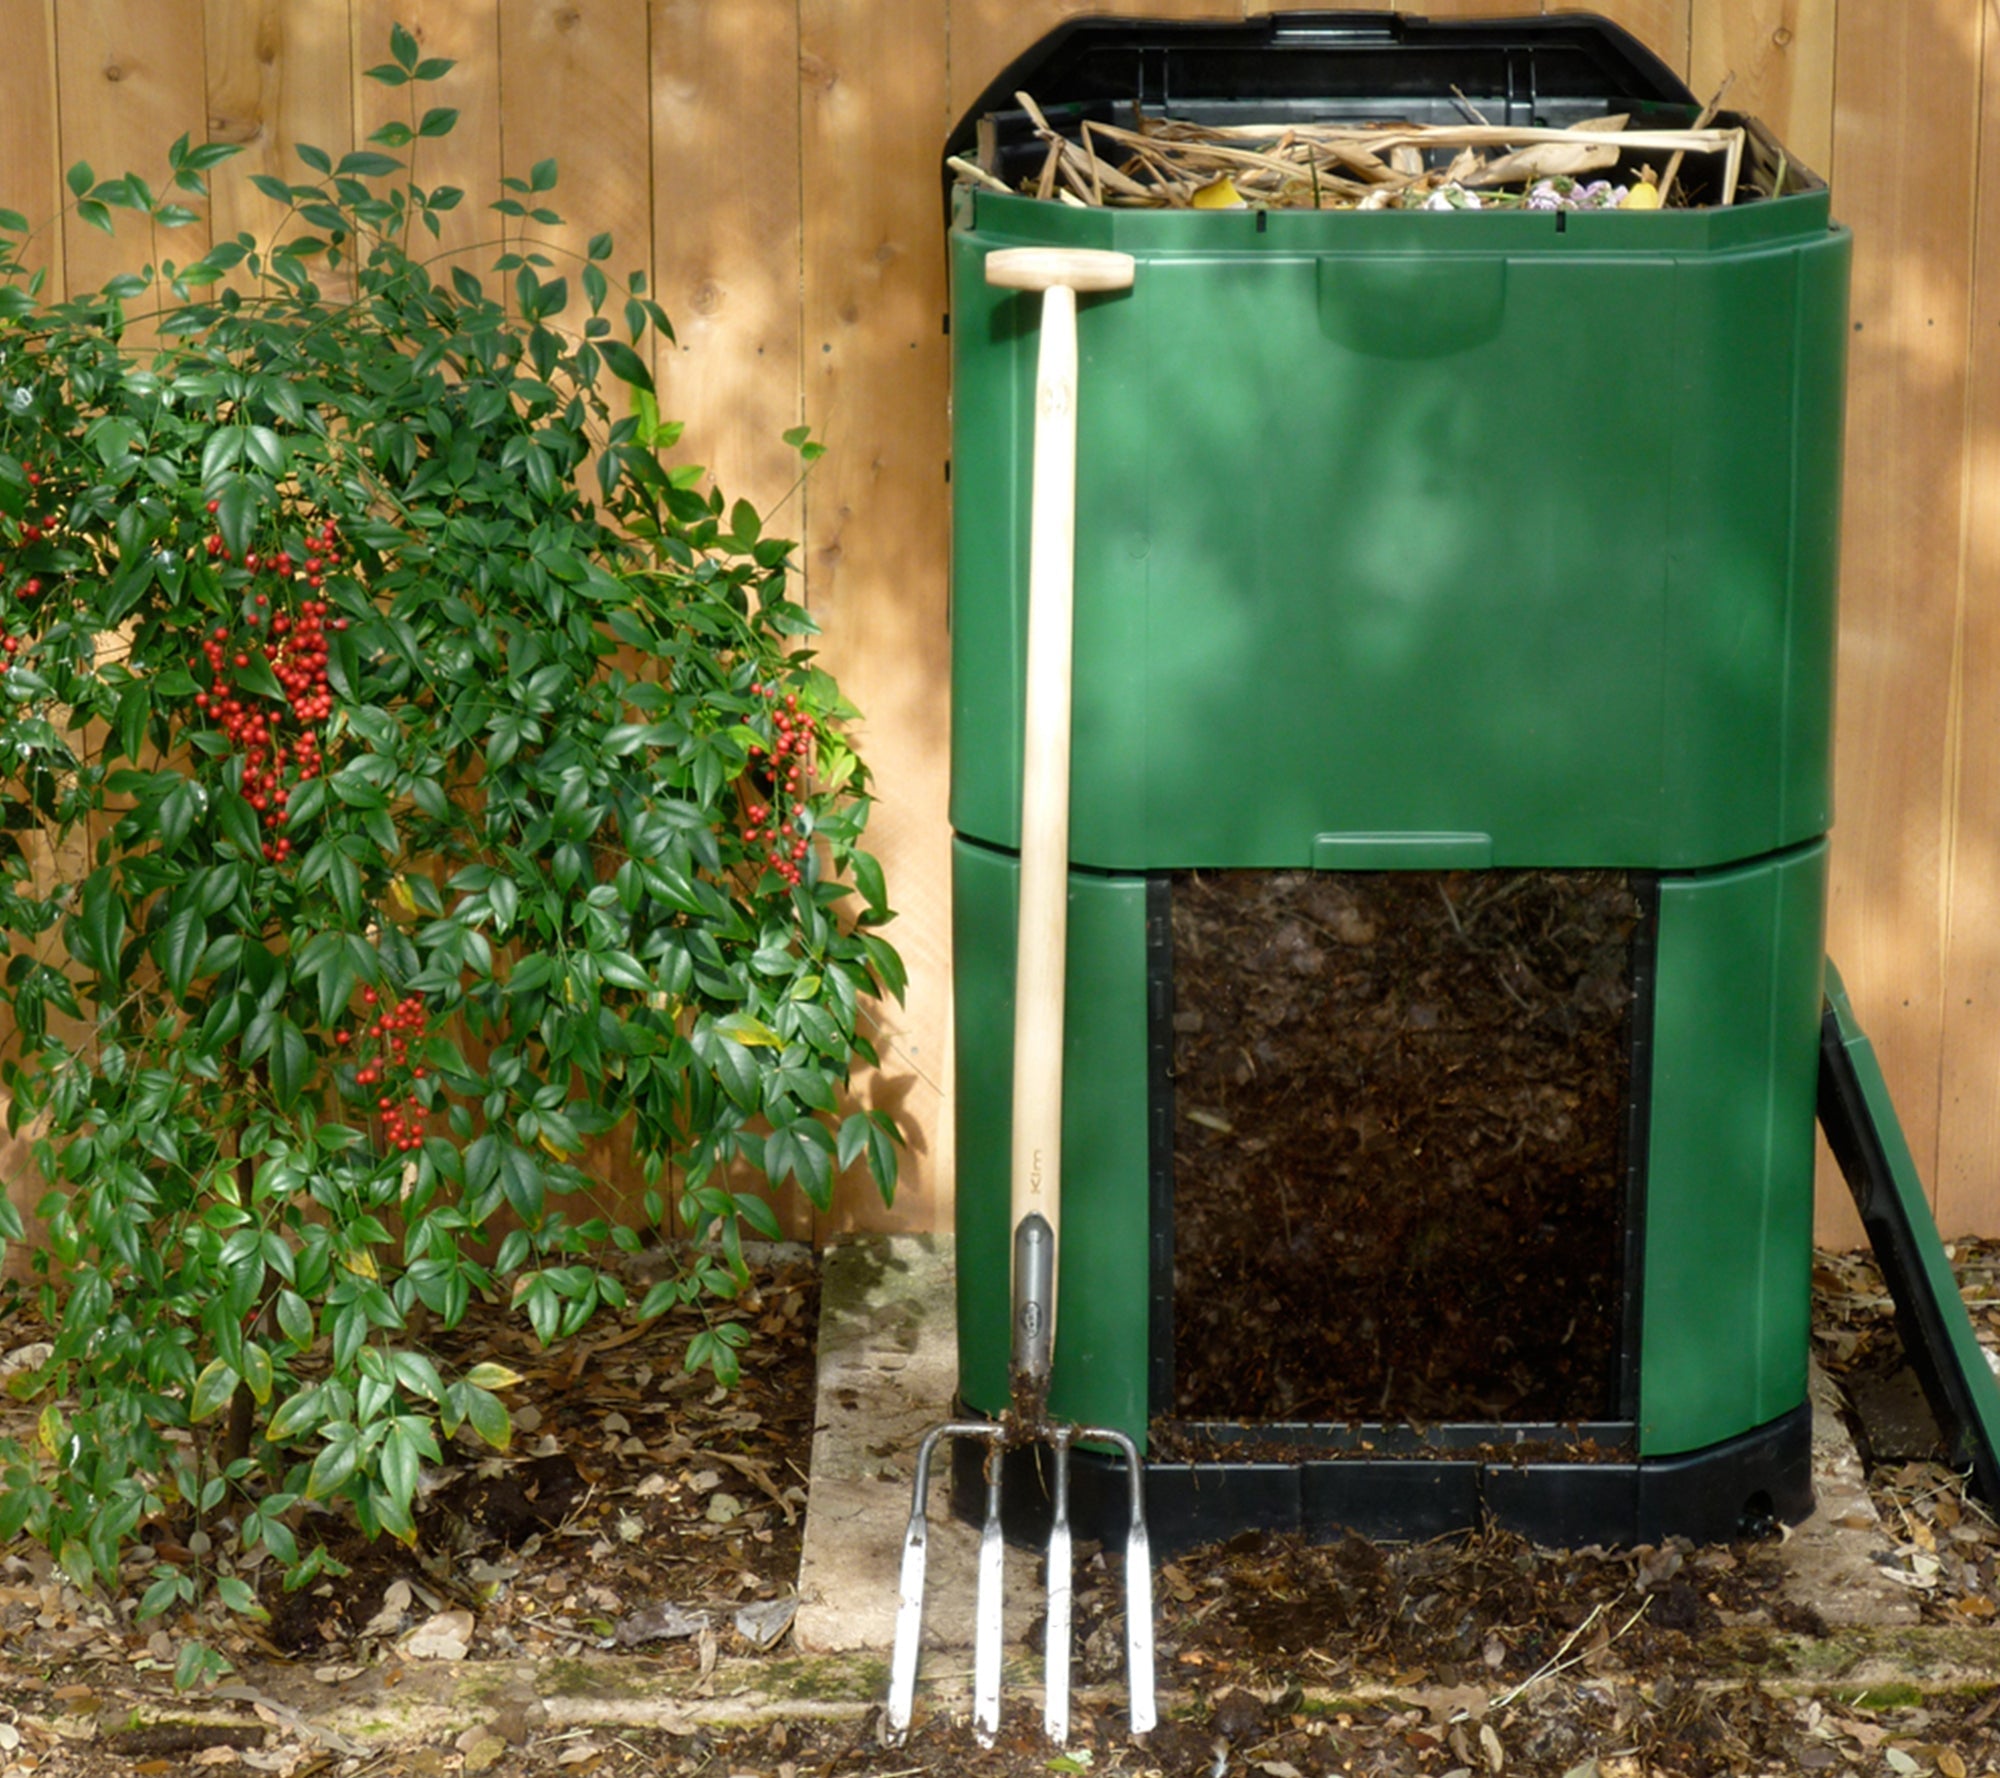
(290, 1063)
(626, 365)
(238, 506)
(488, 1417)
(180, 946)
(214, 1389)
(259, 1376)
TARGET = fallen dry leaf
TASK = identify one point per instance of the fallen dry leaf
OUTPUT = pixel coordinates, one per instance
(446, 1637)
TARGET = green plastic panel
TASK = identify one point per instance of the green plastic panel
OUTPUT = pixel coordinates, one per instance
(1729, 1194)
(1103, 1314)
(1931, 1315)
(1410, 526)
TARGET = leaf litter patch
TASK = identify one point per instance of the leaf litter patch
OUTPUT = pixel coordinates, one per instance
(1469, 1655)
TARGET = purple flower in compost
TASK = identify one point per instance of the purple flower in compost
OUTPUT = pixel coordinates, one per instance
(1600, 194)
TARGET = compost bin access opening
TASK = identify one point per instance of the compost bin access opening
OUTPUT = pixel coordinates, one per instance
(1401, 1145)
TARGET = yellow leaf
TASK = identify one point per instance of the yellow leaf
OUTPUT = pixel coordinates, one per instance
(399, 887)
(53, 1431)
(492, 1376)
(361, 1264)
(561, 1154)
(749, 1030)
(1220, 195)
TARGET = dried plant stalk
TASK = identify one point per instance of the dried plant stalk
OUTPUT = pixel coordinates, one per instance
(1166, 162)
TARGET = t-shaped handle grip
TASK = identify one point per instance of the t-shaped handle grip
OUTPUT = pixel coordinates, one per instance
(1043, 268)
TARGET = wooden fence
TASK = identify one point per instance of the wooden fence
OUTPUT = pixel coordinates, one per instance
(773, 165)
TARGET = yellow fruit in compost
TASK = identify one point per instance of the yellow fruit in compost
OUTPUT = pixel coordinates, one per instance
(1643, 196)
(1220, 195)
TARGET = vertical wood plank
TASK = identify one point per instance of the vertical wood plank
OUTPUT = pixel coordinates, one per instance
(574, 76)
(1663, 26)
(29, 162)
(1781, 53)
(131, 79)
(279, 73)
(30, 182)
(1906, 87)
(726, 240)
(468, 33)
(872, 126)
(1968, 1181)
(726, 233)
(725, 261)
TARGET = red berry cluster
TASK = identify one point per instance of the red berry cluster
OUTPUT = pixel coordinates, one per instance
(293, 645)
(780, 829)
(386, 1034)
(30, 529)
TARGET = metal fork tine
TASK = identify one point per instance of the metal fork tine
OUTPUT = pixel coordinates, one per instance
(1055, 1665)
(910, 1608)
(1138, 1583)
(989, 1610)
(1139, 1627)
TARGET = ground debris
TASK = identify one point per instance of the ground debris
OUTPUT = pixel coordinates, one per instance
(1476, 1654)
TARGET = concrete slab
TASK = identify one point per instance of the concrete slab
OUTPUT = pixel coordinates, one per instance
(1840, 1560)
(888, 1364)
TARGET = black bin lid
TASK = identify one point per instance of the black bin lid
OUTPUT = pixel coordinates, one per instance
(1319, 67)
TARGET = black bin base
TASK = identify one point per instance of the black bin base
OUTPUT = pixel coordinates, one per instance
(1739, 1487)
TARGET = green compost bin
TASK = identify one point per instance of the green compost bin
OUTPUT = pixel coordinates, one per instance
(1407, 541)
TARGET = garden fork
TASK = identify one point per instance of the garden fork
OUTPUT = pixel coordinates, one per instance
(1036, 1188)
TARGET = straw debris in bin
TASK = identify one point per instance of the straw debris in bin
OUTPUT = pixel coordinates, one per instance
(1165, 163)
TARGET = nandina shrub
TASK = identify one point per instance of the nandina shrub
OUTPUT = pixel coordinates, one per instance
(406, 778)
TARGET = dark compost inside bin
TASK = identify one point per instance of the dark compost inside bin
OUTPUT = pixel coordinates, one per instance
(1400, 1134)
